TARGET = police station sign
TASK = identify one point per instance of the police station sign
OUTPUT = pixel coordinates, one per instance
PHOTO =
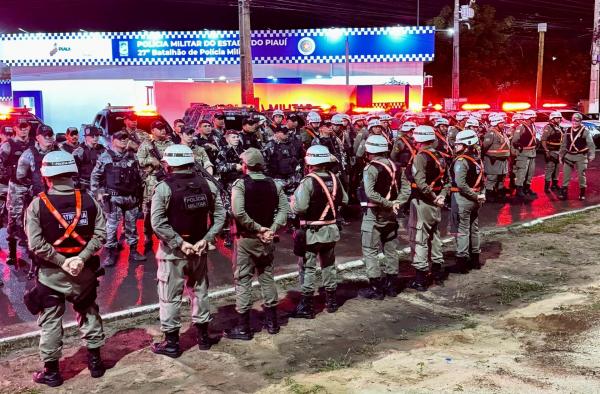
(222, 47)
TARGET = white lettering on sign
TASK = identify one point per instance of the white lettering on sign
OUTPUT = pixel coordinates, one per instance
(70, 216)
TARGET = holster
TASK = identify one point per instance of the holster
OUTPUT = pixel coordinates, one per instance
(300, 242)
(388, 231)
(41, 297)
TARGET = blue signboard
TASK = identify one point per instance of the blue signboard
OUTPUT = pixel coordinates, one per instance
(388, 44)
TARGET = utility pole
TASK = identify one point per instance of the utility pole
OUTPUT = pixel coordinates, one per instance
(347, 60)
(247, 80)
(418, 12)
(542, 28)
(594, 104)
(456, 56)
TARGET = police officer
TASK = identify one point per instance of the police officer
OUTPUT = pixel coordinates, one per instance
(311, 129)
(71, 140)
(87, 155)
(283, 159)
(404, 150)
(249, 137)
(374, 129)
(10, 151)
(181, 207)
(207, 140)
(150, 158)
(317, 201)
(229, 161)
(552, 136)
(277, 118)
(178, 128)
(6, 134)
(524, 142)
(327, 138)
(461, 118)
(576, 151)
(219, 129)
(496, 151)
(260, 208)
(386, 190)
(201, 158)
(430, 187)
(441, 144)
(117, 183)
(136, 136)
(467, 177)
(65, 228)
(386, 124)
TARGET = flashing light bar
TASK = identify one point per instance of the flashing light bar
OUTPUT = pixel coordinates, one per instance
(516, 106)
(475, 107)
(438, 107)
(554, 105)
(145, 110)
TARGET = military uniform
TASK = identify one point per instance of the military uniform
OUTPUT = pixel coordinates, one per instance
(307, 133)
(429, 180)
(577, 150)
(86, 158)
(10, 151)
(54, 285)
(65, 146)
(403, 151)
(227, 162)
(524, 141)
(496, 151)
(442, 145)
(201, 157)
(452, 132)
(211, 145)
(283, 160)
(467, 176)
(136, 138)
(181, 207)
(551, 141)
(149, 156)
(117, 177)
(250, 140)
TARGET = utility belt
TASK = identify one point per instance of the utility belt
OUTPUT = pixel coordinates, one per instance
(316, 223)
(457, 190)
(579, 152)
(528, 147)
(116, 193)
(498, 154)
(433, 188)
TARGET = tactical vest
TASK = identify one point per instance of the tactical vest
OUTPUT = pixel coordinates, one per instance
(319, 201)
(261, 199)
(385, 183)
(88, 160)
(37, 183)
(53, 231)
(249, 140)
(580, 144)
(435, 170)
(442, 145)
(500, 145)
(406, 155)
(10, 164)
(68, 148)
(189, 206)
(527, 139)
(283, 162)
(122, 175)
(232, 156)
(474, 173)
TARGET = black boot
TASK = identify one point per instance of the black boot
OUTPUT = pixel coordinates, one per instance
(438, 274)
(148, 246)
(461, 265)
(490, 196)
(305, 309)
(50, 376)
(111, 257)
(169, 347)
(390, 286)
(271, 321)
(582, 193)
(134, 255)
(12, 252)
(420, 282)
(554, 186)
(331, 301)
(519, 194)
(547, 186)
(474, 262)
(563, 193)
(203, 338)
(242, 329)
(374, 291)
(529, 193)
(228, 242)
(95, 364)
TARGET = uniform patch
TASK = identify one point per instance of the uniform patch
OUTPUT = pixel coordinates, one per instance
(70, 216)
(195, 201)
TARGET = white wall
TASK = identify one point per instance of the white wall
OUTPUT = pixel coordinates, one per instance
(73, 102)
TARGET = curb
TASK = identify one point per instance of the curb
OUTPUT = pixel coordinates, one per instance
(8, 342)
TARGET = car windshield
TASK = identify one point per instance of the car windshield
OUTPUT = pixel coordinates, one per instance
(569, 114)
(116, 122)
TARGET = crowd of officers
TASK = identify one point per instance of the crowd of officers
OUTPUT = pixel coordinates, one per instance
(206, 182)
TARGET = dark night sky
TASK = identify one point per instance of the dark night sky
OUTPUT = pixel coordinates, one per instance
(565, 17)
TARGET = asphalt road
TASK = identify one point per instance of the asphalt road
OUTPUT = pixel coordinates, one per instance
(133, 284)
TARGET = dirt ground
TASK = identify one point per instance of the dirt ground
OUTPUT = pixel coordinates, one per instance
(528, 322)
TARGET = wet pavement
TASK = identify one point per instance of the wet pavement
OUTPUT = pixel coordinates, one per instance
(129, 285)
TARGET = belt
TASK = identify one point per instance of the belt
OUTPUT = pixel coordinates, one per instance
(74, 249)
(317, 222)
(529, 148)
(457, 190)
(435, 189)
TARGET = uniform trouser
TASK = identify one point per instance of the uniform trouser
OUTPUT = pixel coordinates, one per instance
(424, 234)
(373, 242)
(17, 199)
(580, 162)
(325, 253)
(173, 276)
(495, 171)
(552, 167)
(251, 255)
(524, 170)
(465, 224)
(3, 208)
(50, 322)
(113, 217)
(149, 185)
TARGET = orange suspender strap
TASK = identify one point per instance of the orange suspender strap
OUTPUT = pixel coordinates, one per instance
(478, 165)
(532, 141)
(330, 196)
(392, 171)
(413, 151)
(573, 147)
(310, 132)
(69, 228)
(438, 164)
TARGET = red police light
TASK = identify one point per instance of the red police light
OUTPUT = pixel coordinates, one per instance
(475, 107)
(516, 106)
(554, 105)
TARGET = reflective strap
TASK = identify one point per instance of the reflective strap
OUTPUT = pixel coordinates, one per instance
(479, 165)
(391, 171)
(573, 148)
(317, 222)
(457, 190)
(330, 196)
(554, 143)
(446, 144)
(439, 166)
(435, 189)
(69, 228)
(74, 249)
(413, 151)
(533, 140)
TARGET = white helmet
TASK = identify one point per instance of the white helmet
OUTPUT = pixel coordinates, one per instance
(178, 155)
(529, 114)
(408, 114)
(58, 162)
(495, 119)
(278, 112)
(472, 122)
(467, 137)
(441, 121)
(424, 133)
(376, 144)
(337, 119)
(408, 126)
(313, 117)
(374, 123)
(261, 119)
(461, 115)
(517, 116)
(476, 115)
(356, 118)
(435, 115)
(346, 116)
(317, 154)
(556, 114)
(385, 117)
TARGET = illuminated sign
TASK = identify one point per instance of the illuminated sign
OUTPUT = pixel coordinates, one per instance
(395, 44)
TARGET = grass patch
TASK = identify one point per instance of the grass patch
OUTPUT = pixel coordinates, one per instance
(512, 290)
(332, 364)
(556, 226)
(297, 388)
(469, 324)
